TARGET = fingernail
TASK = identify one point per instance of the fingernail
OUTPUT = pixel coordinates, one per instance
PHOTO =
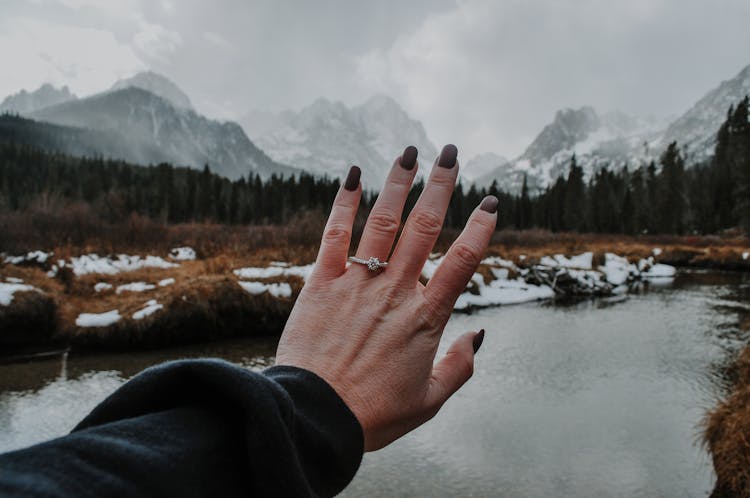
(448, 156)
(489, 204)
(352, 179)
(478, 339)
(409, 158)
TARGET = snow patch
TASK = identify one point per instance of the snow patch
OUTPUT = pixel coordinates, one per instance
(98, 319)
(39, 257)
(150, 308)
(657, 251)
(92, 263)
(275, 271)
(182, 254)
(8, 289)
(135, 287)
(102, 286)
(166, 281)
(745, 255)
(282, 289)
(582, 261)
(14, 280)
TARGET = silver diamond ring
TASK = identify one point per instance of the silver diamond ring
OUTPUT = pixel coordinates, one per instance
(373, 264)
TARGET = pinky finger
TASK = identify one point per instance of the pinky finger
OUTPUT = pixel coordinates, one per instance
(337, 235)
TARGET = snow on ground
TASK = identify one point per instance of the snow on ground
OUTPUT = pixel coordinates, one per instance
(617, 270)
(98, 319)
(657, 251)
(282, 289)
(660, 271)
(102, 286)
(135, 287)
(30, 257)
(8, 289)
(166, 281)
(182, 254)
(149, 308)
(92, 263)
(503, 292)
(745, 255)
(582, 261)
(252, 272)
(14, 280)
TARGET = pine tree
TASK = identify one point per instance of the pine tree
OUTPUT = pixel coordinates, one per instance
(575, 198)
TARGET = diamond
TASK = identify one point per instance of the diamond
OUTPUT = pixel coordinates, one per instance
(373, 264)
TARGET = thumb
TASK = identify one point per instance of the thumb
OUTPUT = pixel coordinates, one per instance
(454, 369)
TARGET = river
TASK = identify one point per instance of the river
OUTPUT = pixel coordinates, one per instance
(596, 398)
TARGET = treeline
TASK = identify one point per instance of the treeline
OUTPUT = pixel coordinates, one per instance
(31, 179)
(660, 197)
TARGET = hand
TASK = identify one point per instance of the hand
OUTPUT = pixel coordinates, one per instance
(373, 335)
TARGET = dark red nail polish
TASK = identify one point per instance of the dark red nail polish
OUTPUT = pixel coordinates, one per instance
(489, 204)
(478, 339)
(409, 158)
(352, 179)
(448, 156)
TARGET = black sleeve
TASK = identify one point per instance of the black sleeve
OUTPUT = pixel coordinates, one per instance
(199, 428)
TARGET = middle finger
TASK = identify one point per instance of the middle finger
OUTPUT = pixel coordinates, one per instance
(426, 219)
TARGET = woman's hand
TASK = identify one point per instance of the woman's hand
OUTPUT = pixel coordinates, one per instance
(373, 335)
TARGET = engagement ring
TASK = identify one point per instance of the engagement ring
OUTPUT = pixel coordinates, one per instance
(373, 264)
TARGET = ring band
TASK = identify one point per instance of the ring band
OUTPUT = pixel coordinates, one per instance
(372, 264)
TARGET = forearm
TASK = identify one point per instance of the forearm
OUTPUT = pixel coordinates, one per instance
(200, 428)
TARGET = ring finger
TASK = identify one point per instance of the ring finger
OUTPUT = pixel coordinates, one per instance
(385, 217)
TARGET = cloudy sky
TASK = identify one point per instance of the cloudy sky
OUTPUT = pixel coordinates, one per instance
(487, 75)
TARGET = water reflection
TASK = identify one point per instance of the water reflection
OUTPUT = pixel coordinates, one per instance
(591, 398)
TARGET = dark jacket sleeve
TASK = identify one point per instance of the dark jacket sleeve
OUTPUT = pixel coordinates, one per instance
(199, 428)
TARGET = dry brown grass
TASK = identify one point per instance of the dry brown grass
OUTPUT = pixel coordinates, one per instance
(206, 289)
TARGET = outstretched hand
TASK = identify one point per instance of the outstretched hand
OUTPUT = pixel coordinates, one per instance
(373, 335)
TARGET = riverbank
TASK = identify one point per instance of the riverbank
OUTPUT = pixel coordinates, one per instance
(727, 433)
(85, 300)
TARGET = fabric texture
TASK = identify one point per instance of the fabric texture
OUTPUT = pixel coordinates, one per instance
(199, 428)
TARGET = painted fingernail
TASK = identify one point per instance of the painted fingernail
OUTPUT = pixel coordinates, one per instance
(352, 179)
(489, 204)
(448, 156)
(478, 339)
(409, 158)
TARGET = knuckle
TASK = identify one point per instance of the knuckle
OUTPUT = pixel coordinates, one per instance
(465, 256)
(336, 234)
(426, 223)
(443, 181)
(383, 222)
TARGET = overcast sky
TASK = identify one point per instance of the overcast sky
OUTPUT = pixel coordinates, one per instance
(487, 75)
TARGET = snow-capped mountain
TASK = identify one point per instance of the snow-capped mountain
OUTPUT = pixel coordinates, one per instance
(25, 102)
(615, 139)
(153, 130)
(327, 137)
(482, 164)
(695, 131)
(158, 85)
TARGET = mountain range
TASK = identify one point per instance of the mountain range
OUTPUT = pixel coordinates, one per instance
(148, 119)
(327, 137)
(615, 139)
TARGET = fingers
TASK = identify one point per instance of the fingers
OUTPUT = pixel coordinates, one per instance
(454, 369)
(426, 219)
(385, 217)
(337, 235)
(462, 259)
